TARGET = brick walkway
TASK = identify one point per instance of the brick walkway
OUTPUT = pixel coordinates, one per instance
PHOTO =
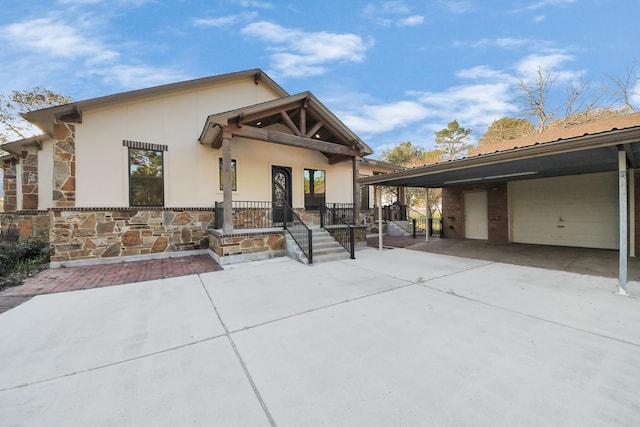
(95, 276)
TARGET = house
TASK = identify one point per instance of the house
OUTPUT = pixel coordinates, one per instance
(153, 171)
(570, 187)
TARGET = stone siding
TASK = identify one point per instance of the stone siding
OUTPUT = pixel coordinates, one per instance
(30, 179)
(10, 186)
(108, 233)
(64, 165)
(246, 245)
(27, 224)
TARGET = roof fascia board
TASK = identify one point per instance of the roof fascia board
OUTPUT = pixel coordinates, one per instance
(586, 142)
(49, 114)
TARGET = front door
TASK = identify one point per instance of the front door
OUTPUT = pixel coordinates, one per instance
(280, 192)
(476, 224)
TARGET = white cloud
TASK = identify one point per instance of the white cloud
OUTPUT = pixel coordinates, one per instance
(138, 76)
(225, 21)
(371, 119)
(36, 36)
(254, 3)
(298, 53)
(411, 21)
(539, 18)
(502, 42)
(392, 13)
(544, 3)
(456, 6)
(551, 63)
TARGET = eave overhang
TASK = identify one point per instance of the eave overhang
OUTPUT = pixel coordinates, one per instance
(584, 154)
(72, 112)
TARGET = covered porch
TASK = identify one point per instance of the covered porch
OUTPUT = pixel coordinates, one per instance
(299, 196)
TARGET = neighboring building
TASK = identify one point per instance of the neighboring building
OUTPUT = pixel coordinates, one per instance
(560, 187)
(149, 171)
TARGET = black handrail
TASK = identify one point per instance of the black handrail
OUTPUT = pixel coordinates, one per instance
(299, 231)
(335, 220)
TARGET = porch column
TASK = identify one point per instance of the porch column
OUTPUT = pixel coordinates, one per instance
(356, 190)
(622, 196)
(379, 194)
(426, 203)
(227, 188)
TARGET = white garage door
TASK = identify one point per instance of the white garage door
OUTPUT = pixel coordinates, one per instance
(579, 210)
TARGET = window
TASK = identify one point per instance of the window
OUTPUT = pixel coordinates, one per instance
(313, 189)
(234, 185)
(146, 182)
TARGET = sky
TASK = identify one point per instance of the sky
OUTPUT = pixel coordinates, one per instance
(392, 71)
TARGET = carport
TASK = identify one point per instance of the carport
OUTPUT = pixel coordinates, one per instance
(610, 145)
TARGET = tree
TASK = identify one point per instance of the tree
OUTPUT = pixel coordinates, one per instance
(403, 154)
(533, 98)
(627, 87)
(408, 155)
(451, 141)
(12, 126)
(506, 128)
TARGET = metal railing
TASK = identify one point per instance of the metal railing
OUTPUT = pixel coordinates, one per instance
(412, 221)
(299, 231)
(334, 219)
(251, 214)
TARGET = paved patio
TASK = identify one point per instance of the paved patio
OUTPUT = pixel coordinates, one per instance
(96, 276)
(398, 337)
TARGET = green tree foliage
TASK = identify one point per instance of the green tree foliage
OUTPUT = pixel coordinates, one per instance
(452, 141)
(403, 154)
(12, 126)
(506, 128)
(408, 155)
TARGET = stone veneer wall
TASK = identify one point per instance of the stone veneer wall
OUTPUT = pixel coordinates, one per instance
(30, 180)
(92, 233)
(10, 186)
(26, 224)
(246, 245)
(64, 165)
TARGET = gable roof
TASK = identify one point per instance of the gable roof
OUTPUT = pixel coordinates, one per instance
(312, 125)
(72, 112)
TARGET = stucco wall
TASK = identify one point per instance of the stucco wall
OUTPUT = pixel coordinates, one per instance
(176, 121)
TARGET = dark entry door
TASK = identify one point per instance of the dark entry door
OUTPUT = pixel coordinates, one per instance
(280, 193)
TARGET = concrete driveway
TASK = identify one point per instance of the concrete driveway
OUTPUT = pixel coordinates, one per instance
(397, 337)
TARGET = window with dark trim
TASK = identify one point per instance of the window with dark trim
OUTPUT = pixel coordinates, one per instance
(314, 188)
(146, 177)
(146, 173)
(234, 182)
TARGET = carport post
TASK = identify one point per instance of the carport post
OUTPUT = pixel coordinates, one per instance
(632, 213)
(622, 196)
(379, 193)
(426, 203)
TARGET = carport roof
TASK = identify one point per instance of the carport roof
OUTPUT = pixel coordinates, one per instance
(588, 148)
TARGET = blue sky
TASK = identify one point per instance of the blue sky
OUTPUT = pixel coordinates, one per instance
(393, 71)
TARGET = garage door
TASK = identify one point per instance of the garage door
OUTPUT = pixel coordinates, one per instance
(579, 210)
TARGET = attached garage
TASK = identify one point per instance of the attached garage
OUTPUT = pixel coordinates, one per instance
(576, 210)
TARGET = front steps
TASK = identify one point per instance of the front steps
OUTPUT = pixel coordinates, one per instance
(325, 247)
(395, 228)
